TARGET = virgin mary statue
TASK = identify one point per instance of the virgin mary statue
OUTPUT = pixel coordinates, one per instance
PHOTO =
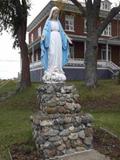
(54, 49)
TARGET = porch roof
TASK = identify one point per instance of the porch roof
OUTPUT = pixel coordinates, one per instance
(111, 41)
(79, 38)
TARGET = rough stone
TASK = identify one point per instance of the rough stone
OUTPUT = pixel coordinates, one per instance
(51, 110)
(88, 141)
(48, 145)
(54, 139)
(73, 136)
(88, 132)
(72, 128)
(81, 134)
(46, 123)
(49, 153)
(52, 132)
(59, 142)
(65, 132)
(61, 147)
(59, 127)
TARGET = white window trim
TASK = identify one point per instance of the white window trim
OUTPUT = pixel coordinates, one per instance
(109, 53)
(108, 29)
(70, 18)
(105, 6)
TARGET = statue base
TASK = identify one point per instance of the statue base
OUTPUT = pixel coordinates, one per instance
(59, 127)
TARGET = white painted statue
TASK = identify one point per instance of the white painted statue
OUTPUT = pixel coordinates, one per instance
(54, 49)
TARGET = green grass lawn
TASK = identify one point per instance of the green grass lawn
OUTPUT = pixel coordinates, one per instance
(15, 125)
(6, 86)
(108, 120)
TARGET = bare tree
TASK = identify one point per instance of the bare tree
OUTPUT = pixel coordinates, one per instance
(91, 13)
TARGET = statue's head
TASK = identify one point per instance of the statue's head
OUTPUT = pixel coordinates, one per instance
(54, 13)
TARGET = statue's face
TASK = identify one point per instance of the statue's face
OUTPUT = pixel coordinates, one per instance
(55, 14)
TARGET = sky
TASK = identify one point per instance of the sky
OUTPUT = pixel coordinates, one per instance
(9, 57)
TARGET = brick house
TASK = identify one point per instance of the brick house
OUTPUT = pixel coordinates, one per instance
(75, 26)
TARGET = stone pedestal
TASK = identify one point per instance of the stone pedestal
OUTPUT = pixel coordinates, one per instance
(59, 127)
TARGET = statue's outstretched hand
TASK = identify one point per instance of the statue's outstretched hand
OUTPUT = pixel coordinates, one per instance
(70, 41)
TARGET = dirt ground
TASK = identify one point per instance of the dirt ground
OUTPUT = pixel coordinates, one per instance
(109, 104)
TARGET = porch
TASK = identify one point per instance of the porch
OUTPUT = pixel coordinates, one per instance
(79, 62)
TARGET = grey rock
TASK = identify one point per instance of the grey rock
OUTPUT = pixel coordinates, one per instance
(48, 145)
(65, 132)
(55, 138)
(76, 97)
(67, 119)
(71, 128)
(80, 149)
(61, 147)
(88, 140)
(57, 143)
(52, 132)
(73, 136)
(70, 106)
(81, 134)
(69, 151)
(46, 123)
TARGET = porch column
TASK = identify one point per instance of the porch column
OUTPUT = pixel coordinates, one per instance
(32, 54)
(107, 50)
(84, 48)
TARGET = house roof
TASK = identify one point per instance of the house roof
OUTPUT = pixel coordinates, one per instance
(46, 10)
(67, 7)
(107, 1)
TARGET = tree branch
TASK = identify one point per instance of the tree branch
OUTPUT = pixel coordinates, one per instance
(114, 11)
(81, 8)
(96, 7)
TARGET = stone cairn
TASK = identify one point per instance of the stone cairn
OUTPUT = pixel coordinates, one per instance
(59, 127)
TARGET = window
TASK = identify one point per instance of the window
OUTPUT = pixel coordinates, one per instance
(37, 56)
(32, 37)
(69, 23)
(105, 5)
(108, 30)
(103, 54)
(72, 52)
(39, 31)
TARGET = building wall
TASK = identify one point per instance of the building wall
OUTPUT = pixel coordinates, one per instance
(35, 31)
(79, 25)
(115, 28)
(79, 30)
(79, 49)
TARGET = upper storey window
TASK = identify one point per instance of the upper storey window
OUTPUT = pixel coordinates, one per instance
(69, 23)
(108, 30)
(106, 5)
